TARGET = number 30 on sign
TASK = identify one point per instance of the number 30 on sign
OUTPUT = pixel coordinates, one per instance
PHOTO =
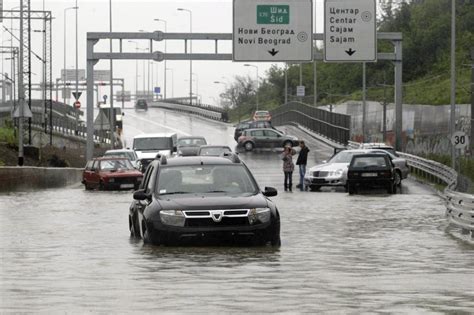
(459, 140)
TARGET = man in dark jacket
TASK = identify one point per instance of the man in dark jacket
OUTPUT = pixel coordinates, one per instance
(301, 162)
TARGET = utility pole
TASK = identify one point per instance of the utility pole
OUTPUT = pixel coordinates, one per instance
(21, 92)
(471, 140)
(364, 105)
(452, 123)
(77, 72)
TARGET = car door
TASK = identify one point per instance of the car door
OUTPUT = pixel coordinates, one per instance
(147, 186)
(273, 139)
(94, 175)
(87, 172)
(259, 138)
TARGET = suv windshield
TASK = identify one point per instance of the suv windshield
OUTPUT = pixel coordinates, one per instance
(143, 144)
(203, 179)
(191, 142)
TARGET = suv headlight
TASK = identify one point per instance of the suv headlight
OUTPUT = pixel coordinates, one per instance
(259, 214)
(172, 217)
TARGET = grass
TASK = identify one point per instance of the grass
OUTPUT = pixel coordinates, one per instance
(7, 135)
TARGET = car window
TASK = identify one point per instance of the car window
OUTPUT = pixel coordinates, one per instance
(149, 183)
(271, 134)
(213, 151)
(369, 161)
(257, 133)
(95, 164)
(89, 165)
(343, 157)
(113, 165)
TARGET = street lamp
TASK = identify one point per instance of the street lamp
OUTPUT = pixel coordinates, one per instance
(249, 65)
(190, 51)
(220, 82)
(164, 79)
(172, 81)
(136, 68)
(64, 78)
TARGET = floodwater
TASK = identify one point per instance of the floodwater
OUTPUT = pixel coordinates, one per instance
(69, 250)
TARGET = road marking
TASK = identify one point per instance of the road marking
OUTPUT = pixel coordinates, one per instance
(158, 124)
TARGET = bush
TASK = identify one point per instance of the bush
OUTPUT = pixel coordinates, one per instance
(8, 135)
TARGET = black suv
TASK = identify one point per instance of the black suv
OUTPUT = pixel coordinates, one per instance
(250, 125)
(203, 199)
(141, 104)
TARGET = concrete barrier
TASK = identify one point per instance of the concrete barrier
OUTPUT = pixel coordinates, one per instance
(14, 178)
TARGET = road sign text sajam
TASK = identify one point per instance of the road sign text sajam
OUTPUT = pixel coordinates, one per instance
(350, 31)
(272, 30)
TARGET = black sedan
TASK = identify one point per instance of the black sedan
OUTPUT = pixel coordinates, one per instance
(371, 170)
(141, 104)
(201, 199)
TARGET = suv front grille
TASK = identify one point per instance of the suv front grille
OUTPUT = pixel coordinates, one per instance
(214, 218)
(320, 174)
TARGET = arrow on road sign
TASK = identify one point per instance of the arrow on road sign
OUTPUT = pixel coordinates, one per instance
(77, 95)
(273, 52)
(350, 52)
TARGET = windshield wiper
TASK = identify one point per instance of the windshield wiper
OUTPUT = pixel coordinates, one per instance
(217, 191)
(176, 192)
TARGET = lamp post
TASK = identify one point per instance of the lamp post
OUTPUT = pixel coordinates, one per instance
(164, 77)
(136, 68)
(190, 51)
(64, 78)
(220, 82)
(172, 81)
(249, 65)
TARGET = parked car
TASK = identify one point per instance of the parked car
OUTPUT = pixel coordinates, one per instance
(371, 170)
(262, 115)
(107, 173)
(265, 138)
(188, 146)
(250, 125)
(201, 198)
(334, 171)
(126, 153)
(213, 150)
(141, 104)
(148, 146)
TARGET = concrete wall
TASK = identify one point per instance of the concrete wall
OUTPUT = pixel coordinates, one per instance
(31, 178)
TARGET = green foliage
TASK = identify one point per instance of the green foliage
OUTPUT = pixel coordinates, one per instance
(7, 135)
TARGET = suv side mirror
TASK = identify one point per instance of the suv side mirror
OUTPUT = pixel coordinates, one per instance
(140, 195)
(270, 192)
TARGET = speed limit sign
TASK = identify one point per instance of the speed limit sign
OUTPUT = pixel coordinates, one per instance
(459, 139)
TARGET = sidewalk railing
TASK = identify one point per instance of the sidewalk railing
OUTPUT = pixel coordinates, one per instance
(207, 111)
(333, 126)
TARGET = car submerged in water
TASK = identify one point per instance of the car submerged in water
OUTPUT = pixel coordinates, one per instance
(202, 199)
(111, 173)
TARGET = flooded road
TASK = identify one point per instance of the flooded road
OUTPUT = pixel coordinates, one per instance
(69, 250)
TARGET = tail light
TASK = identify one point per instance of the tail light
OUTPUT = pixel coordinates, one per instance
(386, 174)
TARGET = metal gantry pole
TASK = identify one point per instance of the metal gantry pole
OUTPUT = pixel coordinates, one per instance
(77, 72)
(286, 83)
(112, 113)
(21, 93)
(452, 121)
(364, 103)
(471, 140)
(398, 95)
(90, 99)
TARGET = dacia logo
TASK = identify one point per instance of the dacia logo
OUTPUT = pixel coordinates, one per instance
(217, 215)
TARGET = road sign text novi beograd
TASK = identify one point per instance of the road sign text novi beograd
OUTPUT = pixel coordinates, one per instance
(350, 31)
(270, 30)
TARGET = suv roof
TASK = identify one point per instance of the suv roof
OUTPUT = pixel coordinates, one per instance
(200, 160)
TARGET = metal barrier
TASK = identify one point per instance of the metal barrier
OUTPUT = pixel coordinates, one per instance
(330, 125)
(208, 111)
(459, 206)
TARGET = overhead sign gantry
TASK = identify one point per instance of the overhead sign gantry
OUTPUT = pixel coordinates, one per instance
(273, 30)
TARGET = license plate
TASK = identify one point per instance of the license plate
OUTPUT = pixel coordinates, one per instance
(369, 175)
(127, 185)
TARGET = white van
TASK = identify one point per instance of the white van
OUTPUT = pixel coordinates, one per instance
(148, 146)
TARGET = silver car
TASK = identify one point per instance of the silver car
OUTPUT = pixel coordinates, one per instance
(334, 171)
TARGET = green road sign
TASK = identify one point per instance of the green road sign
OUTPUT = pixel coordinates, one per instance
(273, 14)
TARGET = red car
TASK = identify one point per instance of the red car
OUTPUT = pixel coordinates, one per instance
(262, 115)
(111, 173)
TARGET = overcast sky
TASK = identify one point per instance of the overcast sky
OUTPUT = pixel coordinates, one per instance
(128, 16)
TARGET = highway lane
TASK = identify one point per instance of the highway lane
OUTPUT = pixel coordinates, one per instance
(68, 250)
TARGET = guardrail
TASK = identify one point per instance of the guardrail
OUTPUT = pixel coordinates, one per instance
(459, 206)
(208, 111)
(333, 126)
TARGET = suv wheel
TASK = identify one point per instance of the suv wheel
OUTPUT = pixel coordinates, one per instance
(398, 179)
(351, 189)
(248, 146)
(275, 239)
